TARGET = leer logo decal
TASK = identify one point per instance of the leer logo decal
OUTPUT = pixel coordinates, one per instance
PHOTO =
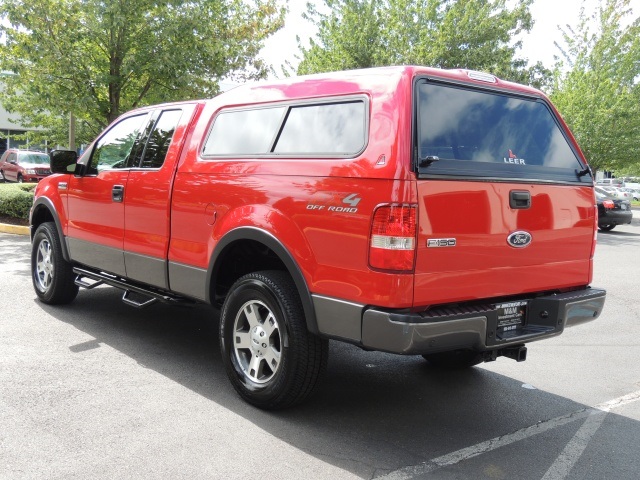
(519, 239)
(513, 158)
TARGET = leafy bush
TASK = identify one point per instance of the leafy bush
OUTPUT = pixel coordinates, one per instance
(16, 199)
(26, 187)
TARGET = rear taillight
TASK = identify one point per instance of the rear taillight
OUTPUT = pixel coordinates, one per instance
(608, 204)
(393, 238)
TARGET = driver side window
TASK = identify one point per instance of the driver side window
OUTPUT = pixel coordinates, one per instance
(114, 148)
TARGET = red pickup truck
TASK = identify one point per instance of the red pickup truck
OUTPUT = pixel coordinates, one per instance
(442, 213)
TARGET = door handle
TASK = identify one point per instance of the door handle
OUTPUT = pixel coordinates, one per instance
(519, 199)
(117, 193)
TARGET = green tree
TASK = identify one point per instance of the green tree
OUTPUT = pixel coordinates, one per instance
(597, 86)
(99, 58)
(474, 34)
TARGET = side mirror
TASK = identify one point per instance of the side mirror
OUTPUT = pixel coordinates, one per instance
(63, 161)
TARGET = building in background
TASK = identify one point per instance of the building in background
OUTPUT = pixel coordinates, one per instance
(13, 134)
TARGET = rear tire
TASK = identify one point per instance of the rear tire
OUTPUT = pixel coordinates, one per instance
(2, 179)
(454, 360)
(271, 359)
(52, 275)
(606, 228)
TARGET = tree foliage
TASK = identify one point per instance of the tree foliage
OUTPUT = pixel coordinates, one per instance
(597, 87)
(474, 34)
(99, 58)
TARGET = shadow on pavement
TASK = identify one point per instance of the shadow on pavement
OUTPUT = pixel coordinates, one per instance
(375, 413)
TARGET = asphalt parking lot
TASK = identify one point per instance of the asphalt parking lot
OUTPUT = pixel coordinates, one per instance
(98, 389)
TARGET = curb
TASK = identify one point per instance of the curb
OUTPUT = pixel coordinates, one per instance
(14, 229)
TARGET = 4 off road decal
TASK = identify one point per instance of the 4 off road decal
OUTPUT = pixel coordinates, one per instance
(513, 158)
(348, 204)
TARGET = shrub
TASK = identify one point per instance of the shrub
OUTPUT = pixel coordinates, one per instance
(26, 187)
(16, 199)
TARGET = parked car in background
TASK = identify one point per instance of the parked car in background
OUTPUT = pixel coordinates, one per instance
(24, 166)
(611, 182)
(624, 193)
(616, 192)
(611, 211)
(634, 192)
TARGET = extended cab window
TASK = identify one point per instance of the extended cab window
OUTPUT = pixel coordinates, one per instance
(465, 132)
(114, 148)
(160, 139)
(325, 129)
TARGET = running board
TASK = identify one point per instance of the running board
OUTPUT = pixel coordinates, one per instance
(89, 279)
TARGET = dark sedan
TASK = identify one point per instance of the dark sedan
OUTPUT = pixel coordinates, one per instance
(611, 211)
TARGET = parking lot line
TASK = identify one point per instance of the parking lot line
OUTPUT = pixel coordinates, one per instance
(576, 446)
(595, 415)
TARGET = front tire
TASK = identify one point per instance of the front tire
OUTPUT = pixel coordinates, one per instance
(271, 358)
(606, 228)
(20, 180)
(52, 275)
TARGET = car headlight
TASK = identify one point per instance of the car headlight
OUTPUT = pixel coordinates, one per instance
(30, 171)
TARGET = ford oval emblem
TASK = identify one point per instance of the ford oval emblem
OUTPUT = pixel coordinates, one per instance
(519, 239)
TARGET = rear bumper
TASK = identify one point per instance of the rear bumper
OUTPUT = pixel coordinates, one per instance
(615, 217)
(476, 327)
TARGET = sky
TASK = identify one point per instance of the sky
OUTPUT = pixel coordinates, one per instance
(538, 45)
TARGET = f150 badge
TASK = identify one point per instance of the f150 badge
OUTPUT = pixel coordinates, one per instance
(519, 239)
(441, 242)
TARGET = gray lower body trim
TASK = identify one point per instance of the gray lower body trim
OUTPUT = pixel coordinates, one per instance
(583, 310)
(338, 318)
(98, 256)
(146, 269)
(188, 280)
(379, 332)
(414, 333)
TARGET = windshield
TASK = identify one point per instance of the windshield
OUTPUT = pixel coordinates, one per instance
(491, 134)
(34, 158)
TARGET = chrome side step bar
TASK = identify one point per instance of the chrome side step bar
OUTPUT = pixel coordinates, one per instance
(89, 279)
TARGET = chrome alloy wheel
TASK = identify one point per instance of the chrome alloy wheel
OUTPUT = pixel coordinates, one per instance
(257, 341)
(44, 265)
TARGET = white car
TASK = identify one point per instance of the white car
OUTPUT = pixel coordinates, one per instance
(634, 192)
(617, 192)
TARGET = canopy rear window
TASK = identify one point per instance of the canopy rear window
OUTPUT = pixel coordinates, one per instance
(465, 132)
